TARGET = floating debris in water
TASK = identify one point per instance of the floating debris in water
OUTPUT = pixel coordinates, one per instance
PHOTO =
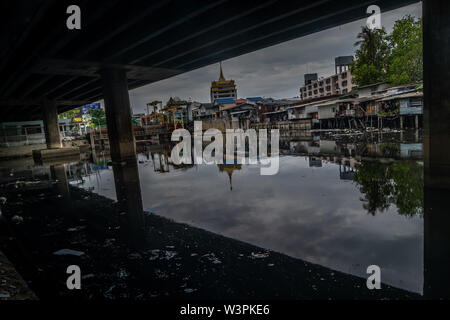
(212, 257)
(17, 219)
(108, 294)
(161, 274)
(169, 255)
(134, 255)
(122, 274)
(76, 228)
(259, 255)
(189, 290)
(154, 254)
(162, 254)
(68, 252)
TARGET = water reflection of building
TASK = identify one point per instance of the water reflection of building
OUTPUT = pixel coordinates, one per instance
(346, 173)
(315, 162)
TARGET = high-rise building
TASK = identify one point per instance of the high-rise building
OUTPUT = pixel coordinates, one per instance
(223, 89)
(339, 83)
(310, 77)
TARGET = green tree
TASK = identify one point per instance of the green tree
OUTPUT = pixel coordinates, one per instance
(406, 58)
(98, 118)
(370, 65)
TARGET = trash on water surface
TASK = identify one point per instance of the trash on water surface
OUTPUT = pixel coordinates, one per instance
(212, 257)
(76, 228)
(68, 252)
(260, 255)
(17, 219)
(189, 290)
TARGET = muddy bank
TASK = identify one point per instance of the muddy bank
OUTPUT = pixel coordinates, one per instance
(12, 286)
(43, 232)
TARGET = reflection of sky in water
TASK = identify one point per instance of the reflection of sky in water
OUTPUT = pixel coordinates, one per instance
(304, 212)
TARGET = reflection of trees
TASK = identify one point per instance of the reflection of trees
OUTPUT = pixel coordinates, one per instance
(398, 183)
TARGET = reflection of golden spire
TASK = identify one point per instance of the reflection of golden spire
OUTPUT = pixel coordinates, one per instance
(229, 168)
(221, 78)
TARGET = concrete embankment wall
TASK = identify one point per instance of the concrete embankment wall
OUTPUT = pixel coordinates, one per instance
(24, 151)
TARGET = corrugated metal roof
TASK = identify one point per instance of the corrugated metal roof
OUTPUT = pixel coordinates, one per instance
(403, 96)
(225, 101)
(255, 98)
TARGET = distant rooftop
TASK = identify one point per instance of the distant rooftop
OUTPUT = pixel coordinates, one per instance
(224, 101)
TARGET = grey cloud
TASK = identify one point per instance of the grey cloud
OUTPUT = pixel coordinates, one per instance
(276, 71)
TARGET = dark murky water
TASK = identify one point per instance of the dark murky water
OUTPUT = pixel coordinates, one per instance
(344, 206)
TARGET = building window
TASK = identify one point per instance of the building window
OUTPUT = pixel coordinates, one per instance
(344, 91)
(321, 83)
(344, 75)
(327, 81)
(315, 91)
(315, 85)
(328, 88)
(344, 83)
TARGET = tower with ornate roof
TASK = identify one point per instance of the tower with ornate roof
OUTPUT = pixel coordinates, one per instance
(223, 89)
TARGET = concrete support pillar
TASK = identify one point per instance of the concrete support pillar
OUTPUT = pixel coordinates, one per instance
(118, 114)
(436, 50)
(416, 121)
(401, 122)
(123, 151)
(51, 126)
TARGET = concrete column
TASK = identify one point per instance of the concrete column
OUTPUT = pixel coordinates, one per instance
(416, 121)
(51, 126)
(118, 114)
(436, 50)
(401, 122)
(123, 150)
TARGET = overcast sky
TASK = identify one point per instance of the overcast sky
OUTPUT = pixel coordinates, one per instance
(275, 72)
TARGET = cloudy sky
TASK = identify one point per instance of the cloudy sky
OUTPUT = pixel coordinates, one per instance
(271, 72)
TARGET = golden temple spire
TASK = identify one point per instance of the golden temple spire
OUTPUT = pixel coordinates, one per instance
(221, 78)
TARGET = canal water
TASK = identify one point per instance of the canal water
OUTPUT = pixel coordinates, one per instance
(335, 202)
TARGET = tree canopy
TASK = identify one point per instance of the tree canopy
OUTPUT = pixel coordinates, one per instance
(98, 118)
(396, 57)
(406, 57)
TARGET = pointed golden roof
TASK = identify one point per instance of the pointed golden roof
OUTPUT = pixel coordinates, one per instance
(221, 77)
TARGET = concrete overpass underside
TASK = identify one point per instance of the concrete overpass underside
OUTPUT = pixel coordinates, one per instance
(151, 40)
